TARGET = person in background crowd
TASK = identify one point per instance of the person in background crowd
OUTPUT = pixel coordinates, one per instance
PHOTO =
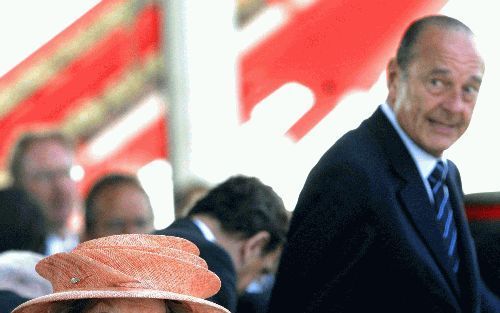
(239, 226)
(379, 225)
(19, 281)
(22, 242)
(22, 222)
(40, 164)
(186, 196)
(117, 204)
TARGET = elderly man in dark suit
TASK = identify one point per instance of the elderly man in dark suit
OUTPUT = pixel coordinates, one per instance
(379, 225)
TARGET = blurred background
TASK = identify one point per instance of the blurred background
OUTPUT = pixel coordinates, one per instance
(180, 91)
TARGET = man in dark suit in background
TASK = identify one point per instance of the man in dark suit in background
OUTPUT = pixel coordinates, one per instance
(239, 226)
(376, 229)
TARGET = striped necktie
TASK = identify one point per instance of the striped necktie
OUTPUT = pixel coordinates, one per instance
(444, 213)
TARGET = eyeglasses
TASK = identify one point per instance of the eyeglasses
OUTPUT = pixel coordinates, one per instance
(51, 175)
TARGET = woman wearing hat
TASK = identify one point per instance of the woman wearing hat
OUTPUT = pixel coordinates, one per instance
(127, 273)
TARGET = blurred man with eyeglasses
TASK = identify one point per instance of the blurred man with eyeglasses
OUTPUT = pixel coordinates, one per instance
(41, 164)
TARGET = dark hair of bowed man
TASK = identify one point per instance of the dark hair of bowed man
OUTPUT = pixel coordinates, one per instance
(107, 181)
(245, 206)
(406, 51)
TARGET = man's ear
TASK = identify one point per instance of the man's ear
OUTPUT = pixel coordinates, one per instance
(253, 247)
(393, 73)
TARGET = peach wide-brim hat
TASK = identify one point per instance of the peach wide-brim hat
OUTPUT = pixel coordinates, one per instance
(129, 266)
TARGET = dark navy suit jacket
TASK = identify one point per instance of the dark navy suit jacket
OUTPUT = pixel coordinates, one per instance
(218, 260)
(363, 237)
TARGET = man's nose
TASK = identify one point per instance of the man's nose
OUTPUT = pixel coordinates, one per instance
(456, 101)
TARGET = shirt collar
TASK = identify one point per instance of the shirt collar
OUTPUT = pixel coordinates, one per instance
(205, 230)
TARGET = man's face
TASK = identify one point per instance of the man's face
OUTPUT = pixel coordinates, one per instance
(433, 101)
(45, 175)
(122, 209)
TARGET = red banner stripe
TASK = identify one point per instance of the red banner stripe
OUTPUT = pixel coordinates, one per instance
(483, 212)
(332, 47)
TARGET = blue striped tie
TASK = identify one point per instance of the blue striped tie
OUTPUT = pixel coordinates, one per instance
(444, 213)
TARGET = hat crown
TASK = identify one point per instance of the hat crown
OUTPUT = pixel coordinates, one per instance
(128, 262)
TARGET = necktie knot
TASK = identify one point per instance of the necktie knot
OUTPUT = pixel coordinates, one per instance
(438, 175)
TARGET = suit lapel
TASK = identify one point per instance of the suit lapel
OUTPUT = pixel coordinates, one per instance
(421, 212)
(413, 195)
(468, 261)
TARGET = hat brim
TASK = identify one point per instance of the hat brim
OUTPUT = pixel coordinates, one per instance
(42, 304)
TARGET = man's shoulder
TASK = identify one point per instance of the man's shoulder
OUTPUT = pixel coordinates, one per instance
(363, 138)
(358, 149)
(187, 229)
(184, 228)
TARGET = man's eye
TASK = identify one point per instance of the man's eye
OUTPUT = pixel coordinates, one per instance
(471, 90)
(435, 85)
(436, 82)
